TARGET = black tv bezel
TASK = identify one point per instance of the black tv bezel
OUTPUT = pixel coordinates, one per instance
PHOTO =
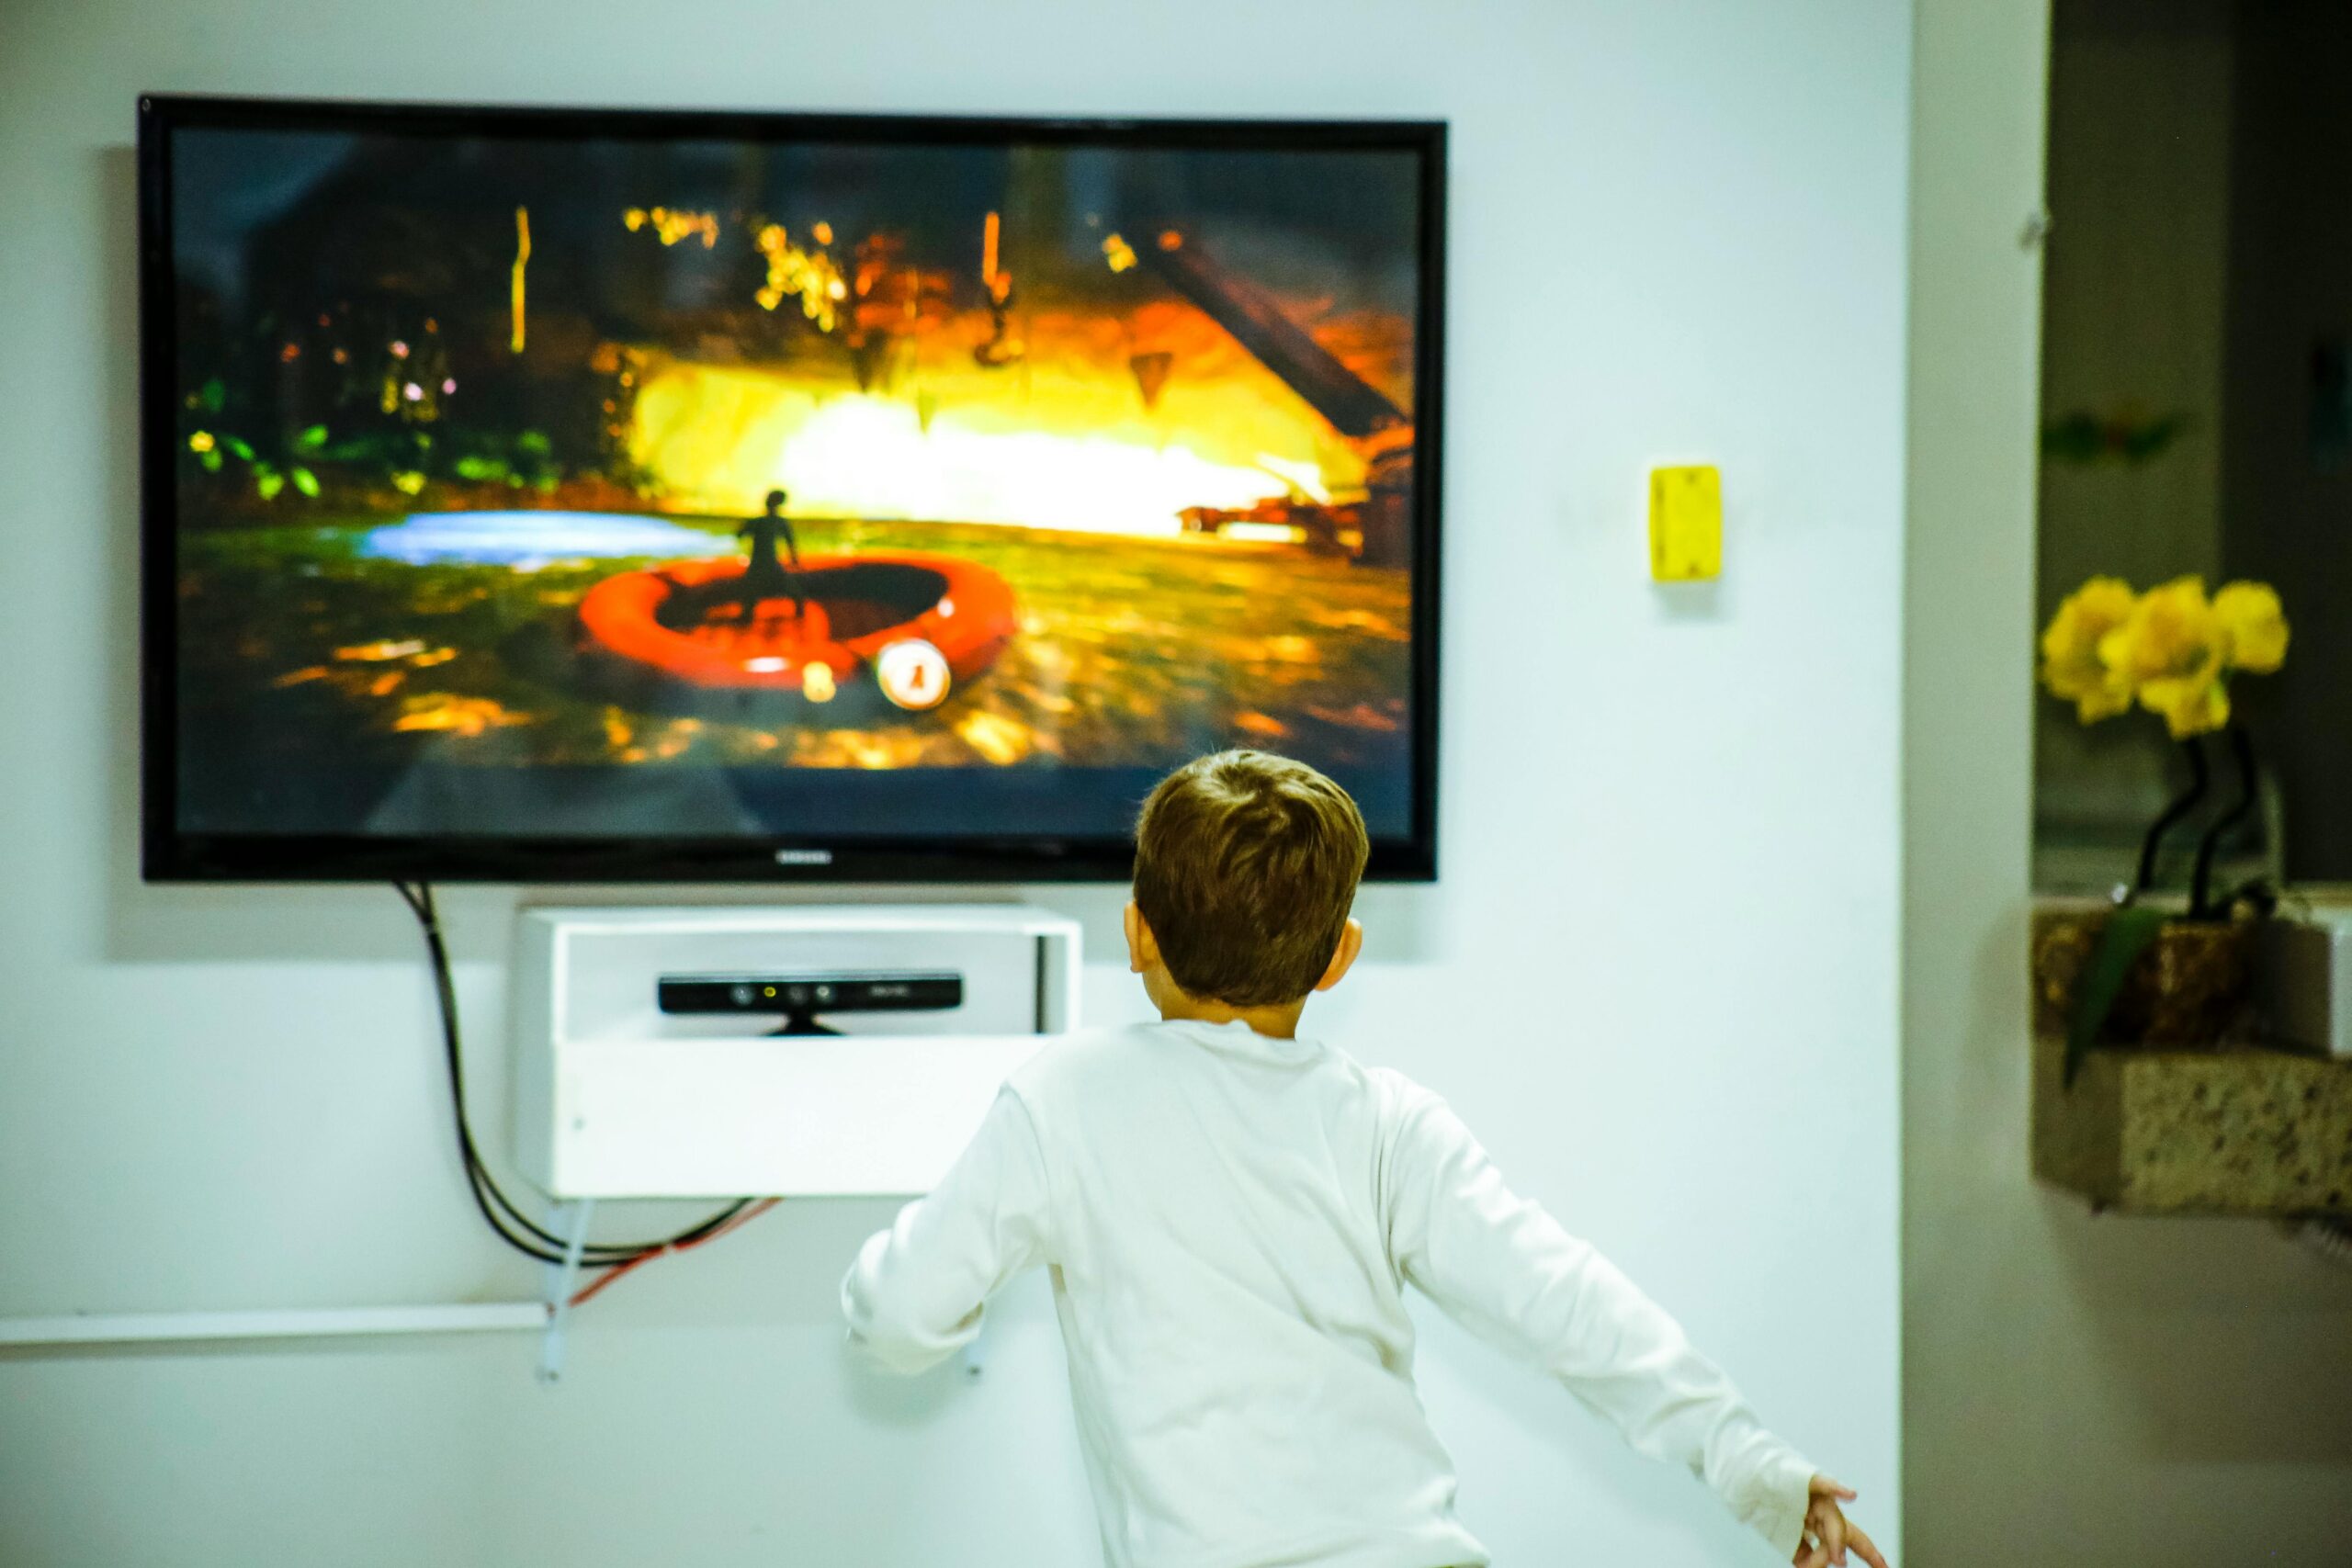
(169, 854)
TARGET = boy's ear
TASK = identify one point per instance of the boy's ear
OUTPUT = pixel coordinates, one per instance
(1143, 948)
(1344, 957)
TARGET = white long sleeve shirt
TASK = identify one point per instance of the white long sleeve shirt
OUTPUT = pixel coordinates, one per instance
(1230, 1220)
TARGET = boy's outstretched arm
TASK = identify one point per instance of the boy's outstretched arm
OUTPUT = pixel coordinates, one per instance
(914, 1295)
(1505, 1269)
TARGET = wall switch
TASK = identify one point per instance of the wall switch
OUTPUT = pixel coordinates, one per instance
(1686, 525)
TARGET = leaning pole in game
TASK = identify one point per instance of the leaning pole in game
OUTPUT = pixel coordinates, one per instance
(1357, 410)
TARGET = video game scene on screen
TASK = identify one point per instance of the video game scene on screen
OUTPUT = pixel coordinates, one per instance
(511, 472)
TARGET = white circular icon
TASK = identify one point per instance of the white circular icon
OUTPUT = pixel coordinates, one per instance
(912, 674)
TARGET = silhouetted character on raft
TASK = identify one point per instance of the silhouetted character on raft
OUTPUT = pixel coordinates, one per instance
(764, 577)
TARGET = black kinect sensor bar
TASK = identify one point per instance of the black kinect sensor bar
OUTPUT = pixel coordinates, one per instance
(801, 996)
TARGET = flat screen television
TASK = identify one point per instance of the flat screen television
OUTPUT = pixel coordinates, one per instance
(586, 496)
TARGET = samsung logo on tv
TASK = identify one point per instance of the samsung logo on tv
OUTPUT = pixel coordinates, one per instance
(804, 857)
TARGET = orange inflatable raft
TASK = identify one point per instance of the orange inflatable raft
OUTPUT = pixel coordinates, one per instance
(913, 625)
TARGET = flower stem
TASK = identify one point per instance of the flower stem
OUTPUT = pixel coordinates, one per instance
(2182, 804)
(2201, 890)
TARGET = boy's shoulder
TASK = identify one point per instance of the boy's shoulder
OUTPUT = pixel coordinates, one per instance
(1128, 1055)
(1072, 1059)
(1401, 1097)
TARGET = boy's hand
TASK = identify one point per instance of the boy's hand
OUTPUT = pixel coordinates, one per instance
(1828, 1534)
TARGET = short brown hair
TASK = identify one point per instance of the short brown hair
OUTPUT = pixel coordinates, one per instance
(1245, 864)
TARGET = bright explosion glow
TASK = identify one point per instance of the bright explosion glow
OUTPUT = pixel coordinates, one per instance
(871, 456)
(724, 437)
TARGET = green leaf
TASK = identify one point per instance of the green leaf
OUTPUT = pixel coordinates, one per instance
(307, 483)
(269, 483)
(534, 441)
(311, 439)
(212, 461)
(212, 395)
(480, 468)
(2125, 936)
(244, 449)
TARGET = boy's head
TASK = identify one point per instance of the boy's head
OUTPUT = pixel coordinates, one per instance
(1245, 864)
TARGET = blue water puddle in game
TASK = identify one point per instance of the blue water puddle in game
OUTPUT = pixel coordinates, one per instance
(528, 540)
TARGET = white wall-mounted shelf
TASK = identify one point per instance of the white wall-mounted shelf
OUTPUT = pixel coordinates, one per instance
(618, 1100)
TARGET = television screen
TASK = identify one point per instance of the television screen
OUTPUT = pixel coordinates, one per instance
(555, 494)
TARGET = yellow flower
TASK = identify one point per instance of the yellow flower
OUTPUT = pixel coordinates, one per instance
(2191, 705)
(2170, 632)
(2254, 628)
(2171, 648)
(2071, 665)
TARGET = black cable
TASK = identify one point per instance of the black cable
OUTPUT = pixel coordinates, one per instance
(419, 904)
(595, 1254)
(485, 1187)
(479, 1180)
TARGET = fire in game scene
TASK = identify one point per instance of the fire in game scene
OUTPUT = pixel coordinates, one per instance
(546, 454)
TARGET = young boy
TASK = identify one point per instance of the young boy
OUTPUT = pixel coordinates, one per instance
(1231, 1215)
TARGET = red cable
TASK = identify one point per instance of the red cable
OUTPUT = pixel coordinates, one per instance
(642, 1258)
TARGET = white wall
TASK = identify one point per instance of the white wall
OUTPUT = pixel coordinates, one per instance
(1659, 974)
(2104, 1392)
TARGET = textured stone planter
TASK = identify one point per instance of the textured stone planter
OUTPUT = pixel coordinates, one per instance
(2192, 987)
(2235, 1131)
(2180, 1113)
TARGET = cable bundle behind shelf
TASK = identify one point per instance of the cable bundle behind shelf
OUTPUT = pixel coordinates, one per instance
(500, 1212)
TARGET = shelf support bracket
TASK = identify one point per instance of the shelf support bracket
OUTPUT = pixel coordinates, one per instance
(563, 1280)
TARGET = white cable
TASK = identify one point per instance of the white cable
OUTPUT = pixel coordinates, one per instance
(151, 1327)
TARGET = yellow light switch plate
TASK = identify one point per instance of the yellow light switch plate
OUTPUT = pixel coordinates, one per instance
(1686, 525)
